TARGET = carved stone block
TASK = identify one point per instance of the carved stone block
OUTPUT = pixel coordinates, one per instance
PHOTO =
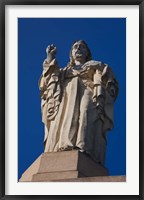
(63, 165)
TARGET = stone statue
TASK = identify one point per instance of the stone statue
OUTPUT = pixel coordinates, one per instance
(77, 102)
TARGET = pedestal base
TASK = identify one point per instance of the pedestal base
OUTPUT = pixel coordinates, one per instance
(65, 165)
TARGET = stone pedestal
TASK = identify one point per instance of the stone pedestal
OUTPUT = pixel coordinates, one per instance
(63, 166)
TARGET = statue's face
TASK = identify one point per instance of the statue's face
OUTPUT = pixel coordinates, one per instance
(79, 51)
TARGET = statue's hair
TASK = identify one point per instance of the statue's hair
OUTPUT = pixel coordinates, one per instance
(89, 56)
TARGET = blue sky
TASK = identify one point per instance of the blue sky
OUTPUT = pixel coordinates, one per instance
(106, 38)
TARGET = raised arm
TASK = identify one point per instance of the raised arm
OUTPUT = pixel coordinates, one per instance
(49, 85)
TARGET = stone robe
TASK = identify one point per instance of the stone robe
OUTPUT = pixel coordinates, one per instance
(69, 111)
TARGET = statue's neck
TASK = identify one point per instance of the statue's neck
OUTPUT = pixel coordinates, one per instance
(77, 62)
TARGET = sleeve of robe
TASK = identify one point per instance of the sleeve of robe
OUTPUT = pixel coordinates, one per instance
(107, 87)
(111, 92)
(49, 85)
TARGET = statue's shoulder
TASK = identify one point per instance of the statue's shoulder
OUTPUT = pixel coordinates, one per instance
(93, 64)
(49, 67)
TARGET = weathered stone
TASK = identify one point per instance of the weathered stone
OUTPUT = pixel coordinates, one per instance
(77, 102)
(63, 165)
(77, 105)
(71, 161)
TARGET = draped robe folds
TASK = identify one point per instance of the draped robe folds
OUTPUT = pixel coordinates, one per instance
(68, 108)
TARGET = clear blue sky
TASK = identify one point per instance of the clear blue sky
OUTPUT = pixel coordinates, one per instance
(106, 38)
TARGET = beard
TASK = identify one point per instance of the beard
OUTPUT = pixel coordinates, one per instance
(78, 55)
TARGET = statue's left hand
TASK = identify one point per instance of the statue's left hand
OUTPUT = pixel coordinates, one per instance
(100, 112)
(100, 107)
(111, 89)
